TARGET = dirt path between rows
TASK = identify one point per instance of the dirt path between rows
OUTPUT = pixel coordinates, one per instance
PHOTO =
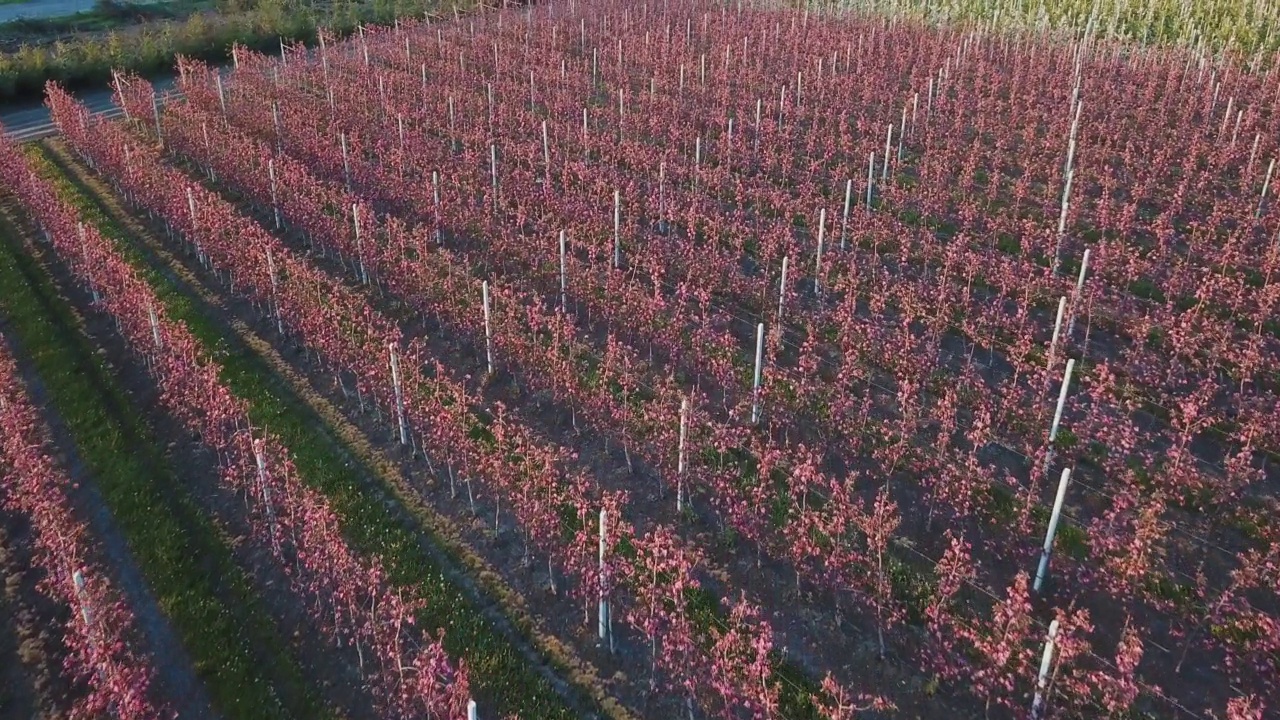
(29, 656)
(175, 676)
(451, 543)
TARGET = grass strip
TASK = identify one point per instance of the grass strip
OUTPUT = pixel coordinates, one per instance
(234, 647)
(498, 671)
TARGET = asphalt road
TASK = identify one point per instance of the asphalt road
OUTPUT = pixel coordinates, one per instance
(31, 120)
(34, 9)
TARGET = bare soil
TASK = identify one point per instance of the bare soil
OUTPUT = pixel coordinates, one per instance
(29, 640)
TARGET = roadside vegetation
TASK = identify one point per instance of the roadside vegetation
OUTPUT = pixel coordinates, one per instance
(81, 50)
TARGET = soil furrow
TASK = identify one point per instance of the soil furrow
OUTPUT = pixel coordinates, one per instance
(371, 472)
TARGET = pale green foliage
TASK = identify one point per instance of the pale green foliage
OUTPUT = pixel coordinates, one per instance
(1245, 26)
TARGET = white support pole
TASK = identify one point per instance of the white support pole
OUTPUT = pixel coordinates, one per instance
(488, 327)
(208, 149)
(697, 159)
(88, 268)
(493, 172)
(1043, 570)
(1062, 216)
(155, 325)
(1266, 185)
(1070, 173)
(346, 160)
(266, 490)
(77, 577)
(1079, 293)
(871, 177)
(759, 107)
(662, 196)
(395, 381)
(355, 221)
(155, 107)
(1042, 680)
(602, 616)
(453, 124)
(489, 94)
(400, 130)
(617, 229)
(888, 143)
(564, 280)
(844, 224)
(755, 403)
(195, 224)
(546, 154)
(472, 713)
(1057, 414)
(275, 120)
(275, 290)
(817, 265)
(324, 55)
(191, 206)
(275, 204)
(222, 95)
(435, 189)
(902, 132)
(728, 145)
(684, 428)
(782, 291)
(1057, 328)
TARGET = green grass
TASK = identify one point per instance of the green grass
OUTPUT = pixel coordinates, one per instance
(498, 671)
(234, 647)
